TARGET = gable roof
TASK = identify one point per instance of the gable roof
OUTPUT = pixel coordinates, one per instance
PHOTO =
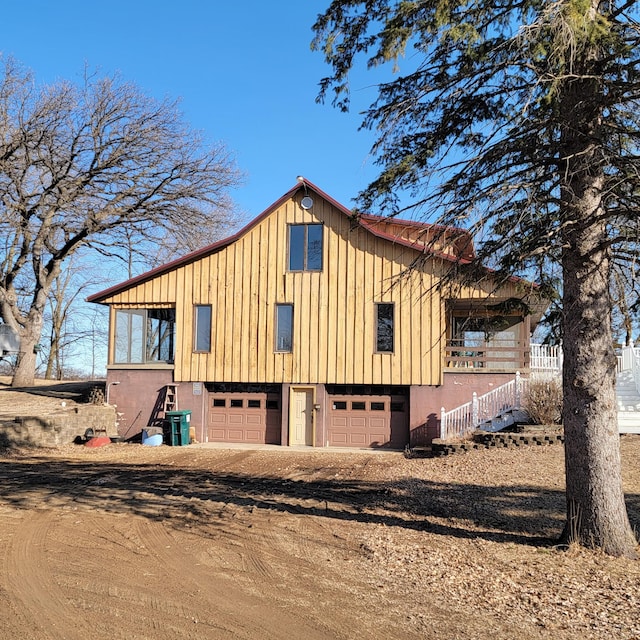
(448, 243)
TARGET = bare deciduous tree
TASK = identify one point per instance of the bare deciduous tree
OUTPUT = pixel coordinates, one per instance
(94, 166)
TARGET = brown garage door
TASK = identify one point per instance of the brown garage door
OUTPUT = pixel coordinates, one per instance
(251, 417)
(368, 421)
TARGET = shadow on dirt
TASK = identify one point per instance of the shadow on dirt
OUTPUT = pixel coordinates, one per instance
(514, 514)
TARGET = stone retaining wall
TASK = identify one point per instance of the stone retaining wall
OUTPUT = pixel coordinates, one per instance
(485, 440)
(61, 427)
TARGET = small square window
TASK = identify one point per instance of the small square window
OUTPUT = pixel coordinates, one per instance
(358, 406)
(236, 402)
(339, 405)
(377, 406)
(253, 404)
(219, 402)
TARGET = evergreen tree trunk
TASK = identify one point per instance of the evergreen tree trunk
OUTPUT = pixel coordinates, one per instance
(596, 510)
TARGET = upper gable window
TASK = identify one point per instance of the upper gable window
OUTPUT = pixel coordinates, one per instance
(305, 247)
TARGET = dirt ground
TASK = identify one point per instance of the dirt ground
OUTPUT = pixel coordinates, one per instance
(137, 542)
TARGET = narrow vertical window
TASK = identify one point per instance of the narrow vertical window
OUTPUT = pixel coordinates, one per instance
(384, 327)
(305, 247)
(284, 327)
(130, 339)
(202, 328)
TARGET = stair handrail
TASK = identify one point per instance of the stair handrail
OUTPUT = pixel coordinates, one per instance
(635, 368)
(629, 360)
(458, 422)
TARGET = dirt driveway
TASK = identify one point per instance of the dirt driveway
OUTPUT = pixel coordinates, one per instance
(128, 541)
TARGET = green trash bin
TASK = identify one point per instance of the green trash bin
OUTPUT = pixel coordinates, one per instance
(179, 422)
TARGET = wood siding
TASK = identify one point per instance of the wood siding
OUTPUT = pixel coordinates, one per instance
(334, 309)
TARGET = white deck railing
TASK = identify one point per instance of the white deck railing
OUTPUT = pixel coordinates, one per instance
(631, 361)
(466, 418)
(544, 360)
(545, 357)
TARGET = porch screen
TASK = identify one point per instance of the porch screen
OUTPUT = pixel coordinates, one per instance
(488, 342)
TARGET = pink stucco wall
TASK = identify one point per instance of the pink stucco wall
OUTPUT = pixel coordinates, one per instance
(457, 388)
(137, 392)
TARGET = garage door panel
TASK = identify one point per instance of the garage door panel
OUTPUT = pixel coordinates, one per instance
(251, 417)
(367, 421)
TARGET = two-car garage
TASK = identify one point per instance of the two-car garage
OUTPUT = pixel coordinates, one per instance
(354, 416)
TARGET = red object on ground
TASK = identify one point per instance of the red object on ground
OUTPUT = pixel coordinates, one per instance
(98, 441)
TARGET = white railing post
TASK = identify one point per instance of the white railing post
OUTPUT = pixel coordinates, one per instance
(443, 421)
(516, 399)
(628, 357)
(635, 368)
(560, 358)
(475, 413)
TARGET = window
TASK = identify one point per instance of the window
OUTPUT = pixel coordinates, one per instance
(284, 327)
(305, 247)
(487, 341)
(384, 327)
(144, 336)
(202, 328)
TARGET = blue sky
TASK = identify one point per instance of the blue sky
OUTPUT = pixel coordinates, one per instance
(244, 73)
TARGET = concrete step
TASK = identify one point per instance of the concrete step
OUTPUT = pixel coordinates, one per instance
(629, 421)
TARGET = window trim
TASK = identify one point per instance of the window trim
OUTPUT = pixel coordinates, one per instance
(198, 348)
(378, 338)
(305, 247)
(143, 313)
(282, 306)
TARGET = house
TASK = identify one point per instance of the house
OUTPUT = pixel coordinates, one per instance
(314, 326)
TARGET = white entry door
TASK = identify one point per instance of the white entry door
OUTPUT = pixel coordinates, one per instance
(301, 417)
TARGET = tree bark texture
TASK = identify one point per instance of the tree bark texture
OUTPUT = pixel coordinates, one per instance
(596, 511)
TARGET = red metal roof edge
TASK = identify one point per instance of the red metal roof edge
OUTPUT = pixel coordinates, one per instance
(459, 231)
(412, 245)
(194, 255)
(365, 221)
